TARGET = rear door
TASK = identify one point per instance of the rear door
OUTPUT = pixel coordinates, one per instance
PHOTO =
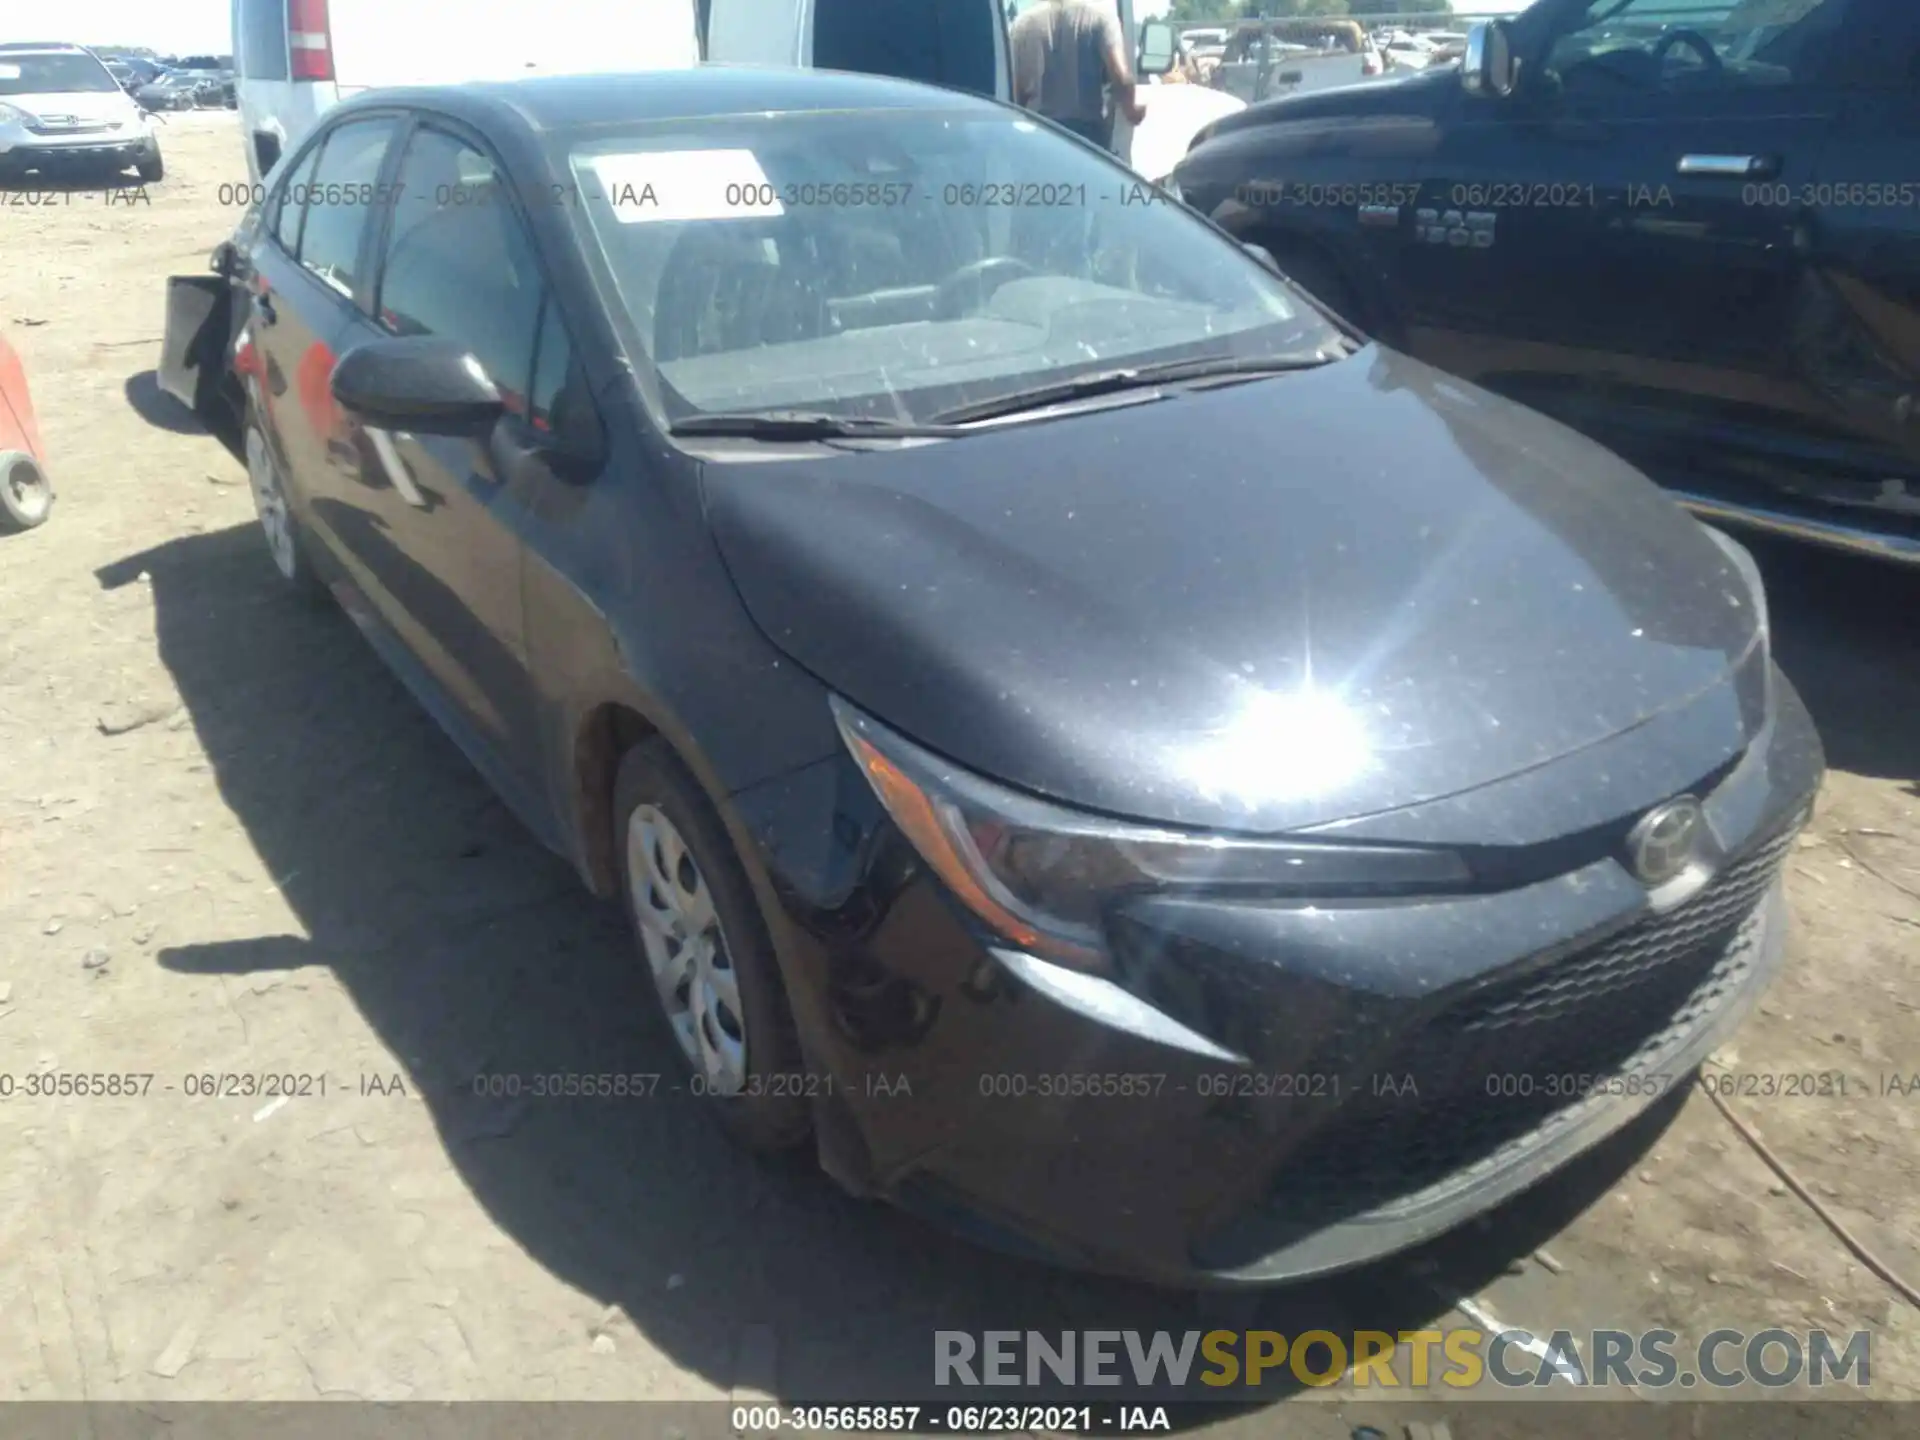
(1616, 243)
(305, 265)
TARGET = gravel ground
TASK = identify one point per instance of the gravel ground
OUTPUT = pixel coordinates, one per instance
(231, 844)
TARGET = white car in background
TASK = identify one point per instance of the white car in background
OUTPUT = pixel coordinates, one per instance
(1409, 52)
(1175, 114)
(62, 112)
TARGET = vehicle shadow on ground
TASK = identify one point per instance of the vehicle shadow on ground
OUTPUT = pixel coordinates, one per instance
(1846, 631)
(473, 952)
(161, 410)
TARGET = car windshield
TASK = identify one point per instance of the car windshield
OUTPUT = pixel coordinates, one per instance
(905, 263)
(52, 74)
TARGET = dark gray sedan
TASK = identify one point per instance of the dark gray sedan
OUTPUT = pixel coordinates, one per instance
(1109, 757)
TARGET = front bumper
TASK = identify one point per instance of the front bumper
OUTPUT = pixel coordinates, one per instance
(1330, 1084)
(68, 153)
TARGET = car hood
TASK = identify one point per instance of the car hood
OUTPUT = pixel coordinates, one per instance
(1417, 96)
(1261, 607)
(88, 107)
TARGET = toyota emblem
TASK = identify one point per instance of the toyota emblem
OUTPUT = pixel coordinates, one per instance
(1666, 840)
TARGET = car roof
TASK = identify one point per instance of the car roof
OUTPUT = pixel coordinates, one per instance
(43, 47)
(557, 103)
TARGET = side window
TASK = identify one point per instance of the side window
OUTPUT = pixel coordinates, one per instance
(1659, 47)
(262, 39)
(459, 264)
(552, 367)
(339, 199)
(288, 204)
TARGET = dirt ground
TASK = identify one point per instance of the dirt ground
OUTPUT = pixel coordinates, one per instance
(230, 843)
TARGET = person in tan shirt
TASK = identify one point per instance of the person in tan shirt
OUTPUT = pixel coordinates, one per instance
(1065, 52)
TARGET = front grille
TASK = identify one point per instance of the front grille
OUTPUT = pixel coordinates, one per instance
(1490, 1073)
(74, 127)
(1634, 960)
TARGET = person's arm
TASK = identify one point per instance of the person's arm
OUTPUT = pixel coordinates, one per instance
(1120, 73)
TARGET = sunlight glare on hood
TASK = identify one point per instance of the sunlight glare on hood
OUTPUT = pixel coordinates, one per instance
(1282, 745)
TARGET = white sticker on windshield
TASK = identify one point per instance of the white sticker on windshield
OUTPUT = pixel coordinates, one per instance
(9, 72)
(659, 185)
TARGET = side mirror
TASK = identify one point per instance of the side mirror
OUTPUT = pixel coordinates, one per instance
(417, 383)
(1158, 48)
(1488, 68)
(1262, 254)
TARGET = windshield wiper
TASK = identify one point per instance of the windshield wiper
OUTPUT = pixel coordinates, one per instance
(803, 425)
(1133, 377)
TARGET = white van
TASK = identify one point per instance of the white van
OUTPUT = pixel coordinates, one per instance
(294, 59)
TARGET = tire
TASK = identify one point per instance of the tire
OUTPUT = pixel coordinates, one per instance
(286, 546)
(26, 495)
(680, 876)
(152, 170)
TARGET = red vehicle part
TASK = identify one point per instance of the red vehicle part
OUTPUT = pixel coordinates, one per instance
(25, 494)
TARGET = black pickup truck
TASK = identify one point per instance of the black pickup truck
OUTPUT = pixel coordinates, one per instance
(1689, 228)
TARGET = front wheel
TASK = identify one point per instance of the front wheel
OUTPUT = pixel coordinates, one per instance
(152, 168)
(707, 953)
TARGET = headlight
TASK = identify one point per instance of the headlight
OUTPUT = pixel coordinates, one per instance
(1743, 561)
(1042, 877)
(11, 114)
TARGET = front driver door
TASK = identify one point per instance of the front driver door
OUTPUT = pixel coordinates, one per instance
(1616, 243)
(458, 262)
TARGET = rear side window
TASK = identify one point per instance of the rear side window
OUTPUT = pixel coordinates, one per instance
(285, 208)
(459, 263)
(260, 28)
(339, 198)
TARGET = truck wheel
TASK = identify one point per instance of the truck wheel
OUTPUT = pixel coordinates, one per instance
(25, 493)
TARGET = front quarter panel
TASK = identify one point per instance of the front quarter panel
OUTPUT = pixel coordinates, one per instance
(628, 605)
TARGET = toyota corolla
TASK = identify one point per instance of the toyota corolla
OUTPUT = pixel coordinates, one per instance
(1111, 758)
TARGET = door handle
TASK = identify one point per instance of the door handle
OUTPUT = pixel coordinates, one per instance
(1730, 167)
